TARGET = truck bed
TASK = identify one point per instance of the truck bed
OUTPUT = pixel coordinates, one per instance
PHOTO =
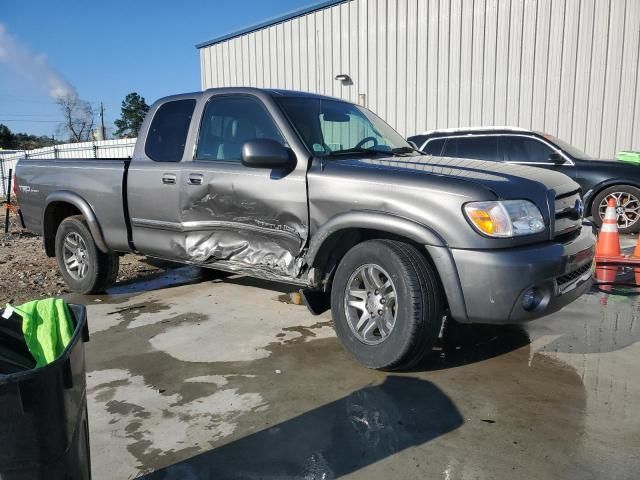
(99, 181)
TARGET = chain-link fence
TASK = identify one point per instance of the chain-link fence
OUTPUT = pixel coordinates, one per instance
(121, 148)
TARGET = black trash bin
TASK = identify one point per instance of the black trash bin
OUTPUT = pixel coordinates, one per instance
(44, 431)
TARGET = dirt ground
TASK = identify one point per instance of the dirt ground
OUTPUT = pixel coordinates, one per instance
(26, 273)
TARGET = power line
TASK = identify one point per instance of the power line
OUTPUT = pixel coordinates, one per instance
(26, 100)
(28, 115)
(28, 121)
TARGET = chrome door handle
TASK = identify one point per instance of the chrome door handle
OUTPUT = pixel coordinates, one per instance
(169, 179)
(195, 179)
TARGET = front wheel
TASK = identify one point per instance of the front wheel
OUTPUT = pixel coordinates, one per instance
(83, 266)
(387, 304)
(627, 207)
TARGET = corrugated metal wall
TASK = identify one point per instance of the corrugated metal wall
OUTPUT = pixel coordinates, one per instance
(567, 67)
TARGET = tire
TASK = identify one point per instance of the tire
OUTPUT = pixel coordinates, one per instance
(415, 315)
(628, 199)
(97, 270)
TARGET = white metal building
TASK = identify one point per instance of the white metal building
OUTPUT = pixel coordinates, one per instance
(567, 67)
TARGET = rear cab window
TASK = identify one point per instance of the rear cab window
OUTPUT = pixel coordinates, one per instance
(168, 131)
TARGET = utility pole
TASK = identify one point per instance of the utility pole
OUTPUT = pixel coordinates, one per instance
(104, 137)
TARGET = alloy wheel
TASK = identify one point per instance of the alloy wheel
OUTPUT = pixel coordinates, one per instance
(370, 303)
(627, 208)
(76, 256)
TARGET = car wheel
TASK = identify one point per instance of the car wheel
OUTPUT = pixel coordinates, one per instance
(387, 304)
(628, 207)
(83, 266)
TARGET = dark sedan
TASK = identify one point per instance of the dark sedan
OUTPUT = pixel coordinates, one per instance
(599, 179)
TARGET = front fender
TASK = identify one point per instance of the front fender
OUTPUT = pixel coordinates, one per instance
(373, 221)
(435, 245)
(81, 204)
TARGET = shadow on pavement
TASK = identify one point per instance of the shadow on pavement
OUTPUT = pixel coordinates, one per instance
(339, 438)
(474, 343)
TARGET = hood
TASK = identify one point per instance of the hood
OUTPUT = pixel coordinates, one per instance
(505, 180)
(610, 167)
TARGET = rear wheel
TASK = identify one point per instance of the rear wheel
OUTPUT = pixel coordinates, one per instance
(628, 207)
(387, 304)
(83, 266)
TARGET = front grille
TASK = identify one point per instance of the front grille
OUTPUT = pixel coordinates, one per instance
(571, 276)
(568, 218)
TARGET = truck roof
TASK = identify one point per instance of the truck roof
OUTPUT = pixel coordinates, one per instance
(273, 92)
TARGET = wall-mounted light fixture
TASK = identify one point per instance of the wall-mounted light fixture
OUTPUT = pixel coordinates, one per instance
(344, 78)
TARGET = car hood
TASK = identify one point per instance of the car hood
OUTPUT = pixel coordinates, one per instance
(609, 167)
(611, 162)
(504, 180)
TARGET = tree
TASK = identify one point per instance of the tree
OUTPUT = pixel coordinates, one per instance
(78, 118)
(7, 139)
(134, 109)
(22, 141)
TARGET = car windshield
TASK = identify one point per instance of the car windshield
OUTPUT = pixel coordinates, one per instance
(331, 128)
(567, 147)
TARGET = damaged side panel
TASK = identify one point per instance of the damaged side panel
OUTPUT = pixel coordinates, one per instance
(251, 218)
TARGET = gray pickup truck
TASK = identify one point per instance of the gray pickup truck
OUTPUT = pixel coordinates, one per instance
(320, 193)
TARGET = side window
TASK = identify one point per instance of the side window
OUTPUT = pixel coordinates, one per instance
(434, 147)
(230, 121)
(525, 150)
(168, 131)
(477, 148)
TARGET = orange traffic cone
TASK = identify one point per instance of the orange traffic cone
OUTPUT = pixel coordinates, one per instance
(636, 254)
(608, 245)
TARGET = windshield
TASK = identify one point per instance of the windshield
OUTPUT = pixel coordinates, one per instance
(567, 147)
(332, 128)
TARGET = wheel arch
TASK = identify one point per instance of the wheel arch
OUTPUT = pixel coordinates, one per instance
(592, 193)
(332, 241)
(62, 204)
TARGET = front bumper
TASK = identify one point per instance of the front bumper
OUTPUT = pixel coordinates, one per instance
(493, 282)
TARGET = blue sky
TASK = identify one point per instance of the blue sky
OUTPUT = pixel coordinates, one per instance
(108, 49)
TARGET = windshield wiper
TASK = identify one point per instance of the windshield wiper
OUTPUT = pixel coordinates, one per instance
(399, 152)
(359, 151)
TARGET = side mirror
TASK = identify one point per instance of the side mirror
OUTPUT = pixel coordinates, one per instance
(556, 158)
(265, 153)
(413, 144)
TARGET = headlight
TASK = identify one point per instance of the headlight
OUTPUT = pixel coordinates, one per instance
(507, 218)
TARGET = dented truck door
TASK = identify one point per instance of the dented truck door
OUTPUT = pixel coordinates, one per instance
(247, 219)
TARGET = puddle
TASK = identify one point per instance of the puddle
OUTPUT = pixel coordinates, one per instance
(149, 425)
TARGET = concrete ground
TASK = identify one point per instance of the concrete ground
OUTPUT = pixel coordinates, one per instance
(212, 379)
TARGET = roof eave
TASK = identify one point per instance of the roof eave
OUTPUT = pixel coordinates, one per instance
(272, 21)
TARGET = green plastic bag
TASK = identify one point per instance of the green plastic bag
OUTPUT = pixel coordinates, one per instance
(48, 328)
(629, 157)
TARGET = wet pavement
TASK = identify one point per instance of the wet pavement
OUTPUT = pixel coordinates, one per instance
(210, 379)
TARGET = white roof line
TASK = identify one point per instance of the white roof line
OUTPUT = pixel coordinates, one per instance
(471, 129)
